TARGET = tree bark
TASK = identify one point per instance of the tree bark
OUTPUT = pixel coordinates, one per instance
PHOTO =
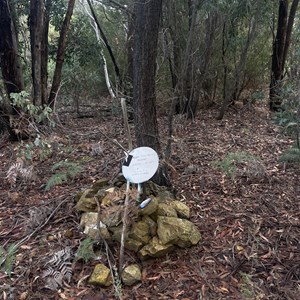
(10, 64)
(129, 47)
(289, 29)
(45, 53)
(147, 17)
(61, 54)
(36, 24)
(277, 56)
(174, 57)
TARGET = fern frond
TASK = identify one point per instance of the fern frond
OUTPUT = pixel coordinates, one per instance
(13, 173)
(16, 171)
(56, 179)
(27, 173)
(59, 257)
(291, 155)
(71, 167)
(58, 268)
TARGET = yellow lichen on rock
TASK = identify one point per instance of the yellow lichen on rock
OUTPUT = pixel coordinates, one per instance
(131, 274)
(101, 276)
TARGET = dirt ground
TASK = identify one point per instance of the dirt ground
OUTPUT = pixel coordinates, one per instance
(250, 222)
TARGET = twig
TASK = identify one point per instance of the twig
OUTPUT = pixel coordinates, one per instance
(126, 123)
(26, 238)
(108, 252)
(124, 228)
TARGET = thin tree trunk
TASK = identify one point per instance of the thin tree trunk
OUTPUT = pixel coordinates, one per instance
(105, 40)
(129, 47)
(99, 40)
(225, 91)
(243, 56)
(289, 29)
(211, 24)
(186, 73)
(61, 54)
(36, 21)
(45, 54)
(174, 58)
(277, 56)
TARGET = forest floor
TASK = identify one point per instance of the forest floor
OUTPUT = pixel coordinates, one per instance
(250, 221)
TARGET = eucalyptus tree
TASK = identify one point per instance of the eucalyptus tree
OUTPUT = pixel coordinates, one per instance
(11, 68)
(37, 40)
(281, 45)
(61, 49)
(182, 23)
(10, 63)
(147, 18)
(237, 38)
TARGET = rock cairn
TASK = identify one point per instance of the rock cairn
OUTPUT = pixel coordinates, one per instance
(154, 230)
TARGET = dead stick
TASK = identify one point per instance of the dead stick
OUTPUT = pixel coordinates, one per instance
(124, 228)
(26, 238)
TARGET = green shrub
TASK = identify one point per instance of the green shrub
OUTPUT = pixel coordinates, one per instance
(7, 258)
(85, 250)
(229, 165)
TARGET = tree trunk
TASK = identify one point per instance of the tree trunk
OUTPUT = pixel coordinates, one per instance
(36, 24)
(45, 53)
(225, 70)
(186, 77)
(129, 47)
(280, 49)
(147, 17)
(105, 40)
(174, 57)
(61, 54)
(289, 29)
(239, 70)
(10, 64)
(277, 56)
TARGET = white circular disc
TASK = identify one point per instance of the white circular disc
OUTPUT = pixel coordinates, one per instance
(141, 165)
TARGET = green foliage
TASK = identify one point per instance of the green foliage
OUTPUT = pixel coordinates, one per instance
(229, 164)
(291, 155)
(40, 114)
(68, 171)
(39, 149)
(247, 286)
(7, 258)
(257, 96)
(288, 119)
(85, 250)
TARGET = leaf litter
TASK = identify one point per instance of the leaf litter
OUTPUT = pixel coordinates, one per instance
(250, 225)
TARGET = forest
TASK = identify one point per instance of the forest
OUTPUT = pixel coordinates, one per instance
(211, 87)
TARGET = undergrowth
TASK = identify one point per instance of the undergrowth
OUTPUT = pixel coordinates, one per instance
(229, 164)
(7, 258)
(68, 171)
(85, 250)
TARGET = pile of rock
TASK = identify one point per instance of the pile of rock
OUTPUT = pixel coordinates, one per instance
(154, 230)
